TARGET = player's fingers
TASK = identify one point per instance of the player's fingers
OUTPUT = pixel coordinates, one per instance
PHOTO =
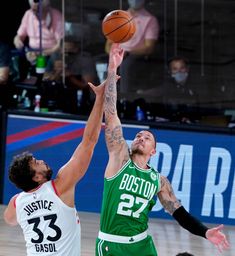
(117, 77)
(226, 243)
(91, 85)
(220, 227)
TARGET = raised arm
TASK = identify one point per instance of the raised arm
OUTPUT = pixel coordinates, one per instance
(78, 164)
(117, 147)
(172, 205)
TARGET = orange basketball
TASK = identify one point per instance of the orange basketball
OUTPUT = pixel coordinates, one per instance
(118, 26)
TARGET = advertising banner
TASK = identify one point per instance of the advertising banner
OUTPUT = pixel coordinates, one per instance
(200, 166)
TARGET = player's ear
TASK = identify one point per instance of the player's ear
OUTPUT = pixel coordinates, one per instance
(153, 152)
(36, 178)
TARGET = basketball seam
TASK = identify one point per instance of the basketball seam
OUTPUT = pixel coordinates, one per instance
(117, 28)
(118, 17)
(128, 30)
(126, 34)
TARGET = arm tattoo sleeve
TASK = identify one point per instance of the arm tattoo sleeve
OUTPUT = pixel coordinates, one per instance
(110, 100)
(167, 197)
(114, 136)
(113, 130)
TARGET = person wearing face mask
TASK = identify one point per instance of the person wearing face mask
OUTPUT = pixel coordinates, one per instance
(179, 70)
(139, 48)
(51, 30)
(178, 93)
(177, 82)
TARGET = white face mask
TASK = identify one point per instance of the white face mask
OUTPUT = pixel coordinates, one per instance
(180, 77)
(136, 4)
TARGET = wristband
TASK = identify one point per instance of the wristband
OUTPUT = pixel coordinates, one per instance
(187, 221)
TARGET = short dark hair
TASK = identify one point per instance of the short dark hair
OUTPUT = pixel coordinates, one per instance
(154, 136)
(184, 254)
(72, 39)
(20, 172)
(178, 58)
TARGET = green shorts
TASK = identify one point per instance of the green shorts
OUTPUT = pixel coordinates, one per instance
(144, 247)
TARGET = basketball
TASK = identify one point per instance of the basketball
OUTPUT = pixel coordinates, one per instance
(118, 26)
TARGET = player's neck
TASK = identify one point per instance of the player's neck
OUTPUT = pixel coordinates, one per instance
(34, 189)
(140, 160)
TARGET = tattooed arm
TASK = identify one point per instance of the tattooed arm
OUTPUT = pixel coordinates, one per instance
(172, 205)
(167, 197)
(117, 147)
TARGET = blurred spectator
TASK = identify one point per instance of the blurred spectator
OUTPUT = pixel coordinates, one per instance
(178, 84)
(4, 62)
(139, 48)
(10, 15)
(52, 30)
(79, 69)
(178, 92)
(178, 68)
(4, 73)
(181, 91)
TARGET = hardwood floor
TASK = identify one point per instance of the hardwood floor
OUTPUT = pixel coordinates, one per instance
(169, 238)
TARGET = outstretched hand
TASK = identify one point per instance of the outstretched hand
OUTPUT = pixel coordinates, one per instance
(99, 90)
(115, 56)
(215, 236)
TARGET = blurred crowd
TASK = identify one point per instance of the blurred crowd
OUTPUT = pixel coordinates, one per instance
(38, 57)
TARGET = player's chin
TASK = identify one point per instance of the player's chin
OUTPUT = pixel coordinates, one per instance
(137, 150)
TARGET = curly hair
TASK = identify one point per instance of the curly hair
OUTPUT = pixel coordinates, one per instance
(20, 172)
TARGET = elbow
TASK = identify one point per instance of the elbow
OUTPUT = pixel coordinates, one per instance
(9, 220)
(91, 141)
(11, 223)
(90, 138)
(93, 138)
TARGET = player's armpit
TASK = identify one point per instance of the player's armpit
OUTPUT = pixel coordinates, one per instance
(167, 197)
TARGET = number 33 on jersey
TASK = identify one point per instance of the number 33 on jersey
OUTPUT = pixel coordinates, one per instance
(47, 223)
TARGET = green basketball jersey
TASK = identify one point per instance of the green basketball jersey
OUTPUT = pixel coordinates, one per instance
(128, 197)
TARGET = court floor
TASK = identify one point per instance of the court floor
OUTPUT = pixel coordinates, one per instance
(168, 236)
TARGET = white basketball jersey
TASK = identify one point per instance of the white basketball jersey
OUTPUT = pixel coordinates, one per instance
(50, 227)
